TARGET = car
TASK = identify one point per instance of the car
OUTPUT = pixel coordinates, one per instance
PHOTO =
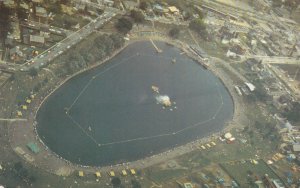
(68, 46)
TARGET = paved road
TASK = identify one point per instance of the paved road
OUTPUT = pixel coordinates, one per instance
(51, 29)
(59, 48)
(274, 59)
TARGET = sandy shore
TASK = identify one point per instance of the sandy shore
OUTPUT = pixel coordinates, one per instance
(22, 133)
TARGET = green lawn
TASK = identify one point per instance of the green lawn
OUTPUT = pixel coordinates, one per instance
(240, 171)
(166, 175)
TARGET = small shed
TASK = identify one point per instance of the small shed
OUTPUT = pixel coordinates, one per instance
(98, 174)
(132, 171)
(19, 114)
(80, 174)
(124, 173)
(112, 174)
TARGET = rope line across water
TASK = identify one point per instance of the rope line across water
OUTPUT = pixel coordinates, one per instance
(139, 138)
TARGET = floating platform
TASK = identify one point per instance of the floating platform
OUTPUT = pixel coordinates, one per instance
(155, 89)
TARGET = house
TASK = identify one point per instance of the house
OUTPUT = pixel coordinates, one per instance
(9, 3)
(159, 9)
(277, 183)
(187, 185)
(16, 54)
(36, 39)
(284, 127)
(108, 2)
(231, 54)
(296, 147)
(41, 12)
(129, 5)
(173, 10)
(37, 1)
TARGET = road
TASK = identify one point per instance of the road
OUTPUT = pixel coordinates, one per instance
(51, 29)
(47, 56)
(274, 59)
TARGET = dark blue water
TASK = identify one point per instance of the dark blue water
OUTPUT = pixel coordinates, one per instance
(112, 113)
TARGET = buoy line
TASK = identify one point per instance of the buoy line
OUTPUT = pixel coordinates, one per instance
(139, 138)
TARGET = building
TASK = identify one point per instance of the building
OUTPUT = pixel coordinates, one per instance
(277, 183)
(173, 10)
(41, 12)
(36, 39)
(108, 2)
(250, 86)
(159, 9)
(296, 147)
(188, 185)
(16, 54)
(129, 5)
(33, 147)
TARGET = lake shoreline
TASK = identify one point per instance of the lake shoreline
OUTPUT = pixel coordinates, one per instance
(63, 167)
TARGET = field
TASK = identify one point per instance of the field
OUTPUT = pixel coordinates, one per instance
(291, 71)
(243, 171)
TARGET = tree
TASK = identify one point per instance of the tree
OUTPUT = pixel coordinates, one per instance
(136, 184)
(143, 5)
(116, 182)
(187, 15)
(199, 26)
(65, 2)
(293, 114)
(117, 39)
(33, 72)
(55, 7)
(124, 25)
(174, 32)
(5, 25)
(137, 16)
(21, 14)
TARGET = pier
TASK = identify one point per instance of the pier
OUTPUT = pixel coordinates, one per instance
(156, 48)
(12, 120)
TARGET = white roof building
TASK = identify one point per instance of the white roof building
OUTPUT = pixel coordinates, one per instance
(37, 39)
(296, 147)
(250, 86)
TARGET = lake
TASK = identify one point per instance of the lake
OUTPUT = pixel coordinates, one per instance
(117, 113)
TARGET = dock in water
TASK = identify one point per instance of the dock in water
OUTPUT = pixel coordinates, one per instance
(156, 48)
